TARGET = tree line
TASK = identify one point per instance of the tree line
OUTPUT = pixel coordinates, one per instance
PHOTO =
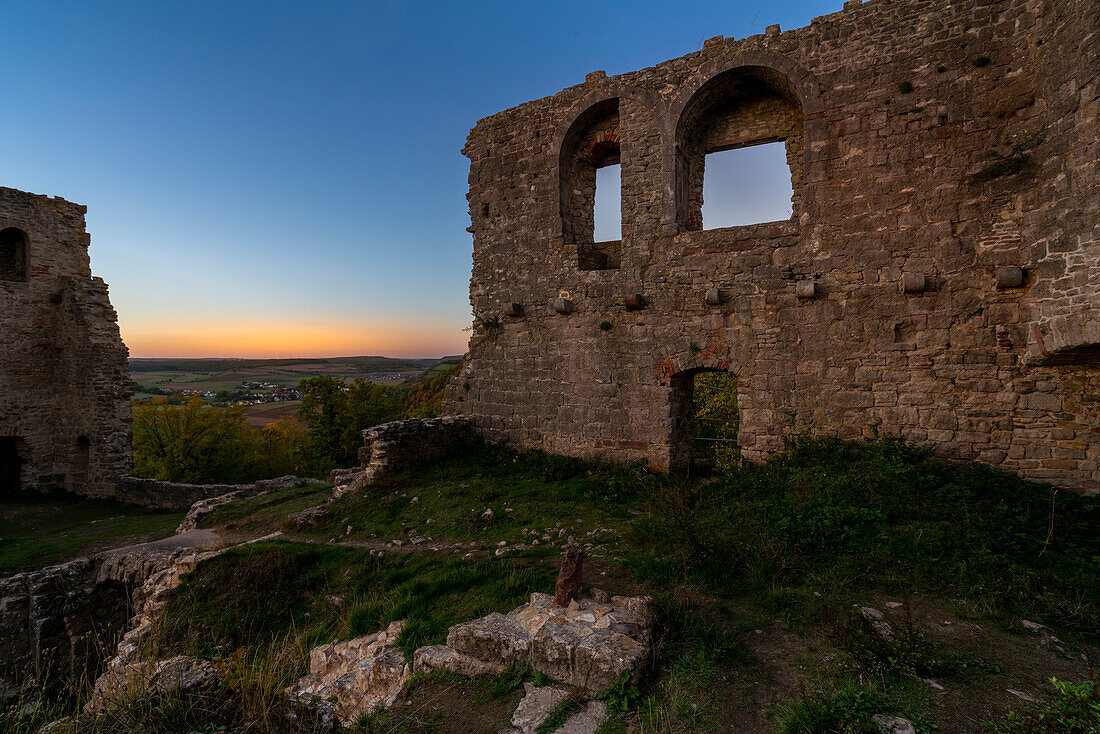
(199, 443)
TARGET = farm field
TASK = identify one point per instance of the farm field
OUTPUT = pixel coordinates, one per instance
(228, 374)
(259, 416)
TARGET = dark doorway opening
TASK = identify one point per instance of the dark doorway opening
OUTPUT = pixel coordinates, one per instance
(706, 420)
(11, 466)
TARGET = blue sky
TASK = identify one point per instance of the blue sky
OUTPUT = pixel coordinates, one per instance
(284, 179)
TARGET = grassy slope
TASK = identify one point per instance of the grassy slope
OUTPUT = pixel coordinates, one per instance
(40, 533)
(757, 573)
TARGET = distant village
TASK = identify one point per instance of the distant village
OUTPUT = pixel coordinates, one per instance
(248, 393)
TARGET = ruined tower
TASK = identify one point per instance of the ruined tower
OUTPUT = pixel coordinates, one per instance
(938, 278)
(64, 380)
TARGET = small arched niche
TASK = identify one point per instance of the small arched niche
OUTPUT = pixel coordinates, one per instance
(13, 255)
(749, 122)
(592, 145)
(79, 460)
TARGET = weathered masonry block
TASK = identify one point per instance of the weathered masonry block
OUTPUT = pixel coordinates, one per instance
(939, 277)
(64, 380)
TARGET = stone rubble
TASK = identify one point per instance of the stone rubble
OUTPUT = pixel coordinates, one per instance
(123, 682)
(202, 507)
(537, 704)
(894, 724)
(587, 645)
(124, 671)
(361, 674)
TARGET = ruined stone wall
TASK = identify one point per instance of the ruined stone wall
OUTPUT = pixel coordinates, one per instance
(940, 152)
(64, 380)
(55, 626)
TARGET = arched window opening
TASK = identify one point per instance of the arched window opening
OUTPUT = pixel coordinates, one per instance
(739, 151)
(746, 185)
(11, 466)
(705, 420)
(13, 255)
(591, 198)
(79, 460)
(607, 209)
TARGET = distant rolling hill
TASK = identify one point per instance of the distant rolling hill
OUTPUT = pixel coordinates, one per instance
(227, 374)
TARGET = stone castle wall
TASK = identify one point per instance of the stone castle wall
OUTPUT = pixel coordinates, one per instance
(64, 379)
(940, 152)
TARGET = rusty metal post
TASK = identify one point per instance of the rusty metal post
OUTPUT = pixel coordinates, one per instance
(569, 585)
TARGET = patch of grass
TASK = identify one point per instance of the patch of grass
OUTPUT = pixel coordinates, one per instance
(259, 592)
(905, 653)
(690, 656)
(1074, 710)
(560, 714)
(529, 493)
(838, 517)
(247, 699)
(39, 533)
(846, 711)
(267, 511)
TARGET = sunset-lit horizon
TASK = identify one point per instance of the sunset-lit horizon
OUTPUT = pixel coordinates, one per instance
(301, 339)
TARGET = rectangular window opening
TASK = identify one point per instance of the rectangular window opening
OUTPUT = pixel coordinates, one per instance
(607, 209)
(748, 185)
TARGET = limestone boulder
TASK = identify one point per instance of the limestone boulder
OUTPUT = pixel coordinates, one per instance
(537, 705)
(435, 658)
(588, 644)
(497, 640)
(358, 675)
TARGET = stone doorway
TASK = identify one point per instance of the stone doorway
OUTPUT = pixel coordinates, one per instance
(11, 466)
(706, 420)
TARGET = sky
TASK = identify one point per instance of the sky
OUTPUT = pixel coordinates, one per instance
(284, 179)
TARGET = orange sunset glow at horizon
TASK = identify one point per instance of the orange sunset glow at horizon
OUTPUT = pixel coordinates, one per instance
(291, 339)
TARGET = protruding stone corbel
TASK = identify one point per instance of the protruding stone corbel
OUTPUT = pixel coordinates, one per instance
(634, 301)
(913, 283)
(713, 297)
(805, 290)
(563, 305)
(513, 309)
(1009, 276)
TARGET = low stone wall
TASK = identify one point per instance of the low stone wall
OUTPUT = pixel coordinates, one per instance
(400, 444)
(176, 496)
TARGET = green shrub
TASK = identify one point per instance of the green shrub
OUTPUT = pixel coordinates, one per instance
(1074, 710)
(845, 515)
(847, 711)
